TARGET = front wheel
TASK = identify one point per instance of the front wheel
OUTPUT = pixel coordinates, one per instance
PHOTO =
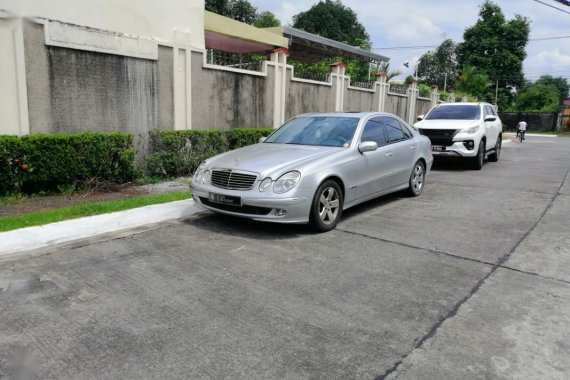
(477, 161)
(326, 208)
(417, 179)
(494, 157)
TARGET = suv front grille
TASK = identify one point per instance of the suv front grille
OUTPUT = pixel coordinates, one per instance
(231, 180)
(440, 136)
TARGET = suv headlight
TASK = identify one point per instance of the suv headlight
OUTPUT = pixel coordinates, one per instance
(471, 130)
(286, 182)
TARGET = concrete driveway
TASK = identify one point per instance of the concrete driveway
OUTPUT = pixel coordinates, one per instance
(470, 280)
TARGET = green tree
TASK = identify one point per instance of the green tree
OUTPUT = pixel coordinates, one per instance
(472, 81)
(385, 68)
(560, 83)
(266, 20)
(240, 10)
(440, 66)
(332, 19)
(539, 97)
(496, 46)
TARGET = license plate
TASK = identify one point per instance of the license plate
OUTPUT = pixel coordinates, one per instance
(437, 148)
(224, 199)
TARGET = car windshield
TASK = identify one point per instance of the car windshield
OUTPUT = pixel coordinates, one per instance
(316, 130)
(463, 112)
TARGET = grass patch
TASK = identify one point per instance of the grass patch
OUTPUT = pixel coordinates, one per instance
(39, 218)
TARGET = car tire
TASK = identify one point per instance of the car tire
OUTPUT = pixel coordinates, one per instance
(326, 208)
(417, 179)
(494, 157)
(477, 161)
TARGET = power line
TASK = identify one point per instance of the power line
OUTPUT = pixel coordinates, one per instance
(434, 46)
(551, 6)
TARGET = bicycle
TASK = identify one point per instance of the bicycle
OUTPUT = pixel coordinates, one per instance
(521, 136)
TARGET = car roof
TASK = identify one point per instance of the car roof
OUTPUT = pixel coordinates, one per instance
(355, 114)
(465, 104)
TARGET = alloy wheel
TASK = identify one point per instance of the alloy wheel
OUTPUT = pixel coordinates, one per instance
(329, 205)
(418, 178)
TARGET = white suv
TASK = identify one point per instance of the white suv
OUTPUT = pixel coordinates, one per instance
(466, 130)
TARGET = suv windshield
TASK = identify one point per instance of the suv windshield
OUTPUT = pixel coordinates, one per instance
(316, 130)
(463, 112)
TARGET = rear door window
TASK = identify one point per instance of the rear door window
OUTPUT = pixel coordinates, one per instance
(394, 130)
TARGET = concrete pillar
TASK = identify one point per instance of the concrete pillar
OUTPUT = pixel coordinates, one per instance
(383, 87)
(412, 100)
(338, 74)
(450, 96)
(434, 96)
(14, 118)
(279, 61)
(182, 68)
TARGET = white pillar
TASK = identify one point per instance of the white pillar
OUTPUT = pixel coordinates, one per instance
(434, 96)
(338, 73)
(383, 88)
(412, 99)
(182, 71)
(14, 119)
(450, 96)
(279, 62)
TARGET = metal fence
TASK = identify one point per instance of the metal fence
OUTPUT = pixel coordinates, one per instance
(302, 72)
(250, 62)
(368, 84)
(397, 88)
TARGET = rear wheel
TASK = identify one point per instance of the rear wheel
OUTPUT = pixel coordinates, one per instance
(326, 208)
(477, 161)
(417, 179)
(494, 157)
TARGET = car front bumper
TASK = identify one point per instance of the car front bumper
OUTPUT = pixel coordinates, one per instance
(291, 208)
(458, 149)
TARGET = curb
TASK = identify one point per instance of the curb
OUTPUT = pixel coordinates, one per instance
(32, 238)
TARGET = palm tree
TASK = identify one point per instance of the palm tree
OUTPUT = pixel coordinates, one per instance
(472, 82)
(385, 68)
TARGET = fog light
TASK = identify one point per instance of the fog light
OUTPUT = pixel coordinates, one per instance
(469, 144)
(280, 212)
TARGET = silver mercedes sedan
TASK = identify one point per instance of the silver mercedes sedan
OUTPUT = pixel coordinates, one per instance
(314, 167)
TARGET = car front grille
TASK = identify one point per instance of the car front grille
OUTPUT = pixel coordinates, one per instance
(440, 136)
(245, 209)
(231, 180)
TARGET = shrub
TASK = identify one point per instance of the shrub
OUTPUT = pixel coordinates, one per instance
(177, 153)
(40, 162)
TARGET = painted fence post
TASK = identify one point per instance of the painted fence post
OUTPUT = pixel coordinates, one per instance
(412, 99)
(338, 71)
(434, 96)
(383, 87)
(450, 96)
(279, 61)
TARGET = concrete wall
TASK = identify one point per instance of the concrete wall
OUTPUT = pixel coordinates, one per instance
(226, 99)
(397, 104)
(303, 97)
(423, 106)
(360, 100)
(160, 20)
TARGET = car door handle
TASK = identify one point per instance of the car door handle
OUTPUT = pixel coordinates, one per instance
(389, 154)
(412, 148)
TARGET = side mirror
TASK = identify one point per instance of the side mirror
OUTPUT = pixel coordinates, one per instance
(490, 118)
(262, 139)
(420, 117)
(367, 146)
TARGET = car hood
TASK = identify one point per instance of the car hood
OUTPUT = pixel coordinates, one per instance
(268, 159)
(446, 124)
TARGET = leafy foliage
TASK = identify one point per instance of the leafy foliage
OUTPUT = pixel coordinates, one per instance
(240, 10)
(496, 46)
(560, 83)
(266, 20)
(539, 97)
(332, 19)
(176, 153)
(472, 81)
(36, 163)
(434, 66)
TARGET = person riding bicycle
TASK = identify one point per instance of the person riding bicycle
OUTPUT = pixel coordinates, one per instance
(521, 129)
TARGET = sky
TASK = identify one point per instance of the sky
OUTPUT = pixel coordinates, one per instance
(429, 22)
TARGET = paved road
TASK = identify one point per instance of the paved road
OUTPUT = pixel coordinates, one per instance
(470, 280)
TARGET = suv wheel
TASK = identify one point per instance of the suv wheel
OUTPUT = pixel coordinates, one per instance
(494, 157)
(477, 161)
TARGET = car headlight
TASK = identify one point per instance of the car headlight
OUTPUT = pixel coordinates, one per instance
(471, 130)
(265, 184)
(286, 182)
(206, 177)
(199, 173)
